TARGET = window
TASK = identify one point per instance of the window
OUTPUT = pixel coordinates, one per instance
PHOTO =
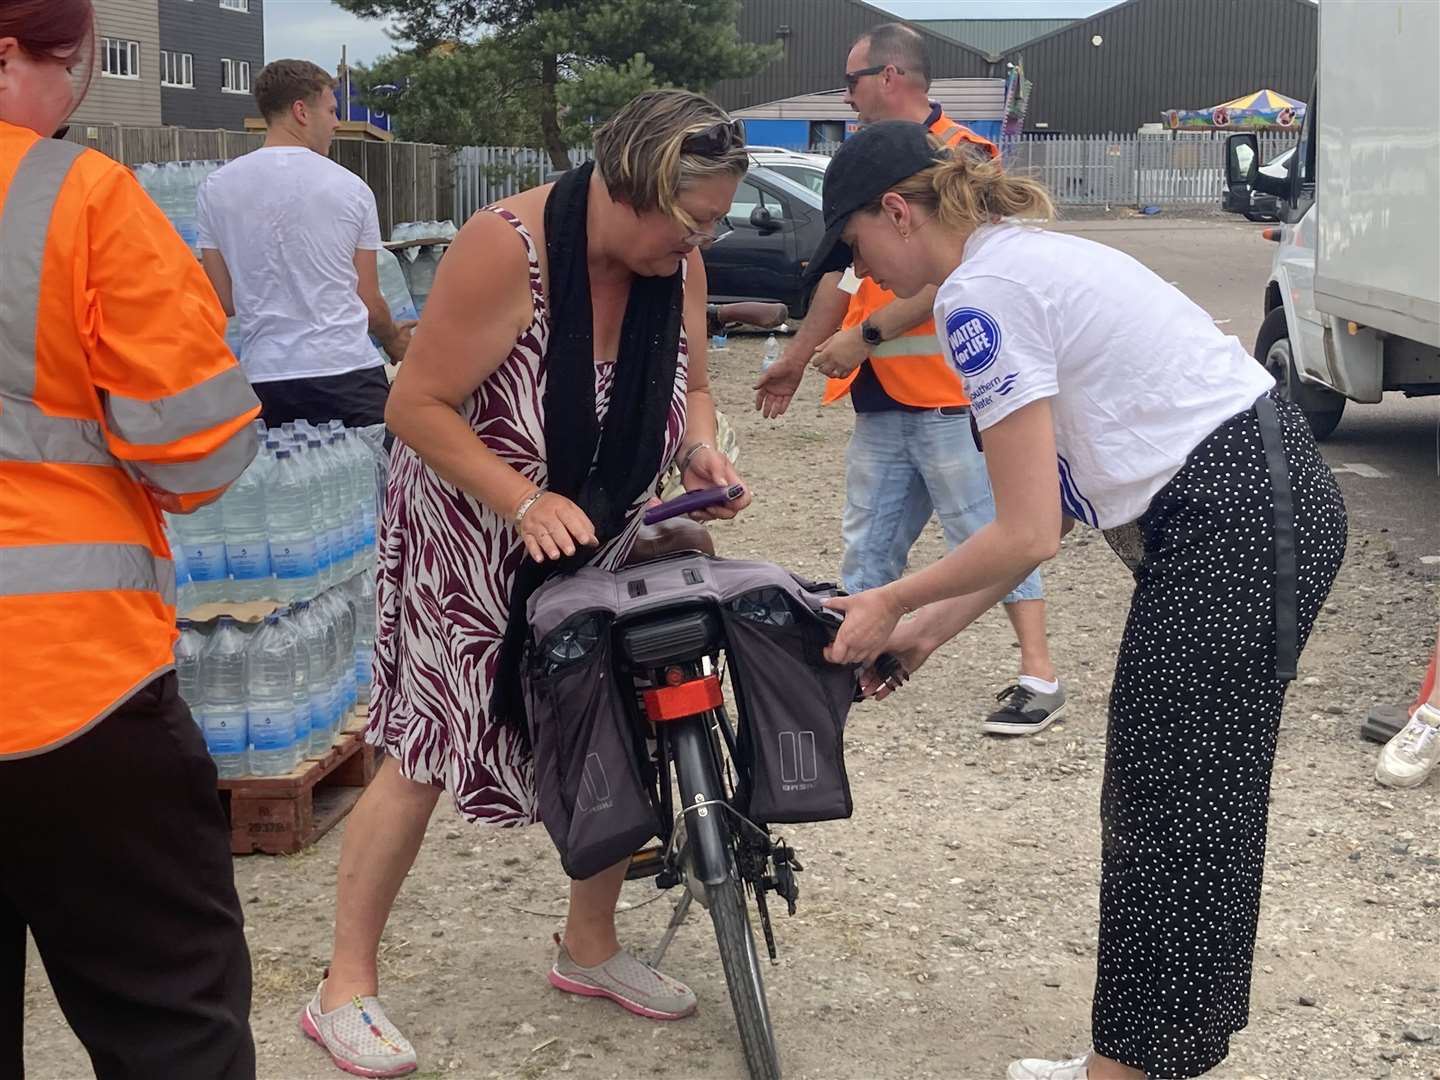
(747, 197)
(235, 76)
(177, 68)
(119, 59)
(235, 5)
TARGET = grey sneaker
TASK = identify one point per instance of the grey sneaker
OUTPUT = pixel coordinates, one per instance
(359, 1037)
(1024, 711)
(628, 982)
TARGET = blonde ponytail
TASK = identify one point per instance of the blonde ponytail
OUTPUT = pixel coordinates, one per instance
(966, 191)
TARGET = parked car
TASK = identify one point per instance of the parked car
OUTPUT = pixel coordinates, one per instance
(808, 170)
(1257, 205)
(777, 226)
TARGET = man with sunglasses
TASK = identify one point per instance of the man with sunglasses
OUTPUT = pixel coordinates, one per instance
(912, 453)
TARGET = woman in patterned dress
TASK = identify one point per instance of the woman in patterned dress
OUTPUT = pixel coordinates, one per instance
(468, 512)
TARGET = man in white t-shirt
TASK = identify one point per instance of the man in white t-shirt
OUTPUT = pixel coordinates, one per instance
(289, 238)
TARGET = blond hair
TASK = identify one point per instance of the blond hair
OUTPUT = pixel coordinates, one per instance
(641, 155)
(965, 190)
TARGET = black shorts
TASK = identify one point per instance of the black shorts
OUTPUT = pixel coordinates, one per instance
(356, 398)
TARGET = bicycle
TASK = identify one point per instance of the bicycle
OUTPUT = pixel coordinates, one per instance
(672, 660)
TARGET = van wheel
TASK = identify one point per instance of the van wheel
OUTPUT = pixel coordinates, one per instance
(1323, 408)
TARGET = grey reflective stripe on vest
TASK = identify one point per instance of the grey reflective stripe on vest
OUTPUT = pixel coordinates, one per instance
(24, 222)
(26, 432)
(202, 406)
(949, 133)
(67, 568)
(212, 471)
(926, 345)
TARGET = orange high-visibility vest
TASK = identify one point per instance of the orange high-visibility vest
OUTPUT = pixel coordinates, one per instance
(114, 377)
(911, 367)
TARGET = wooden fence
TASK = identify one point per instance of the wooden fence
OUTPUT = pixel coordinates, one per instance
(411, 181)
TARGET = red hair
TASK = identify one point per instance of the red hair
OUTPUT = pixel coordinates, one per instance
(58, 30)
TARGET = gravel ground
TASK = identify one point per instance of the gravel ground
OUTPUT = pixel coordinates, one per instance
(950, 924)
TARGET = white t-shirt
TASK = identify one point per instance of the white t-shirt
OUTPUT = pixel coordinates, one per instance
(1137, 374)
(288, 222)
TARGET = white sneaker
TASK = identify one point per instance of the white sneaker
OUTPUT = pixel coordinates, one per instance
(1409, 757)
(1036, 1069)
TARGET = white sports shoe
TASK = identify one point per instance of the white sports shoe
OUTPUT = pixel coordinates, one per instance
(1036, 1069)
(1412, 754)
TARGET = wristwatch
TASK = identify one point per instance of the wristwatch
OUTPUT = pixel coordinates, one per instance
(870, 333)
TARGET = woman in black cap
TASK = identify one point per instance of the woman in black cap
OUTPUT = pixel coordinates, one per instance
(1106, 397)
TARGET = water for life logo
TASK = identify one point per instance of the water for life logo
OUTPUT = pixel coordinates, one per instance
(974, 340)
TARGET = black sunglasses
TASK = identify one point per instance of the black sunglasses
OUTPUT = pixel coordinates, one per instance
(852, 78)
(716, 140)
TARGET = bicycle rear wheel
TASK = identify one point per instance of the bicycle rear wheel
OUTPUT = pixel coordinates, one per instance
(736, 941)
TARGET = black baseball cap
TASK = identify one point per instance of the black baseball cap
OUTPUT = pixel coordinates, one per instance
(868, 164)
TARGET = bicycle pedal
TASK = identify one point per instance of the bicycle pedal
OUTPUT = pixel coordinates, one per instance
(647, 862)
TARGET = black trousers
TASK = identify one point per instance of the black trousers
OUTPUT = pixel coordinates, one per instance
(356, 398)
(1194, 717)
(115, 854)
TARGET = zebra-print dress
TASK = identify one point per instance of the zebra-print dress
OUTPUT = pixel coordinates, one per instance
(443, 587)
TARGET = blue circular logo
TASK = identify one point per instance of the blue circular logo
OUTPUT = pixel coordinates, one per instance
(974, 339)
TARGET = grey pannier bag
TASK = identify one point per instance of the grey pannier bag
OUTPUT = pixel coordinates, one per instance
(593, 776)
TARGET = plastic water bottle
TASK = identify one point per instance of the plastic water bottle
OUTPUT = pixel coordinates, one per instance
(290, 521)
(184, 591)
(362, 462)
(352, 528)
(362, 594)
(202, 535)
(342, 610)
(301, 690)
(323, 648)
(188, 647)
(333, 500)
(270, 699)
(247, 536)
(772, 353)
(720, 340)
(315, 494)
(223, 715)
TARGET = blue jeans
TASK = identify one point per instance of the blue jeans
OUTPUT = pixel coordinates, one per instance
(901, 467)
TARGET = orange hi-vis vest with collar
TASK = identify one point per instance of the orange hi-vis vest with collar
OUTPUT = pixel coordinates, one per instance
(114, 378)
(912, 367)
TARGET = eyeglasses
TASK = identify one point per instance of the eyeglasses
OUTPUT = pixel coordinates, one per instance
(852, 78)
(716, 140)
(696, 238)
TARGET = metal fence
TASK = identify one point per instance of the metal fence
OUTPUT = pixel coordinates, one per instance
(1186, 168)
(1132, 170)
(487, 174)
(411, 181)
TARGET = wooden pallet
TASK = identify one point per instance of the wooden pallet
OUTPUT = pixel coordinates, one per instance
(279, 815)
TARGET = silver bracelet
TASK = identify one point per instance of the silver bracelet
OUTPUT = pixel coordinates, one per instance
(690, 456)
(525, 505)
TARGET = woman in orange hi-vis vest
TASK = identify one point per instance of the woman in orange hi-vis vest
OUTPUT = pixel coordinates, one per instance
(117, 397)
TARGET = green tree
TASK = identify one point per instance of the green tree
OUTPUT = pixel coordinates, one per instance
(565, 64)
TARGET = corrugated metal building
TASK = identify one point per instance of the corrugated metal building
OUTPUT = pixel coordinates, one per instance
(1120, 68)
(1152, 55)
(816, 35)
(994, 37)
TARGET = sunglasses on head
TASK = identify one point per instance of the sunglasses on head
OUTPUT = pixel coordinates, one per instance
(716, 140)
(852, 78)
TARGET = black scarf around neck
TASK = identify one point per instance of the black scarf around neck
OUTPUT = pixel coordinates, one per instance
(602, 469)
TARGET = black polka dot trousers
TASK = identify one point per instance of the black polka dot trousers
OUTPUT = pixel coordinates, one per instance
(1194, 714)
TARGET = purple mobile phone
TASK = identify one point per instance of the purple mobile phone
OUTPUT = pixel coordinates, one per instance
(692, 501)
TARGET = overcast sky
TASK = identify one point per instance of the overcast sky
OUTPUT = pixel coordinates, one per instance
(316, 29)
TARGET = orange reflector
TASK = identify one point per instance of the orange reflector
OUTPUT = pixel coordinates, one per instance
(1270, 234)
(687, 699)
